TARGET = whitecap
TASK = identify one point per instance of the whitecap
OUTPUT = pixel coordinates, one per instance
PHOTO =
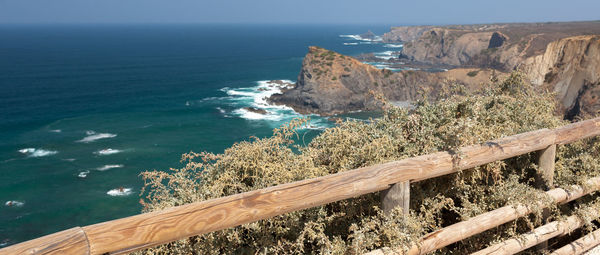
(90, 132)
(257, 97)
(33, 152)
(83, 174)
(55, 131)
(119, 192)
(350, 43)
(389, 45)
(14, 203)
(108, 151)
(385, 55)
(107, 167)
(360, 38)
(221, 110)
(94, 137)
(69, 159)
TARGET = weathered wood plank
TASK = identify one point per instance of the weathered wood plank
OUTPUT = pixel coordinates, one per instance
(480, 223)
(538, 235)
(577, 131)
(202, 217)
(397, 195)
(155, 228)
(70, 241)
(580, 245)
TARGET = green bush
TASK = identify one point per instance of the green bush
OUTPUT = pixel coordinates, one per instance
(356, 225)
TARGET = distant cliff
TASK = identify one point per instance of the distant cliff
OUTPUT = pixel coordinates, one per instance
(331, 83)
(500, 46)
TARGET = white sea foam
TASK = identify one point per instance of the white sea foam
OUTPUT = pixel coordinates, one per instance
(221, 110)
(119, 192)
(90, 132)
(360, 38)
(14, 203)
(107, 167)
(93, 137)
(389, 45)
(69, 159)
(33, 152)
(385, 55)
(83, 174)
(108, 151)
(350, 43)
(257, 97)
(55, 130)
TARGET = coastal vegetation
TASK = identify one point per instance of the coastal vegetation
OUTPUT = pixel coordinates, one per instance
(453, 119)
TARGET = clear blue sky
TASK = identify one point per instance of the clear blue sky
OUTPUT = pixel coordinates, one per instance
(296, 11)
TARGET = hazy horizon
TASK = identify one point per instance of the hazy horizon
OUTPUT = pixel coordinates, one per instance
(336, 12)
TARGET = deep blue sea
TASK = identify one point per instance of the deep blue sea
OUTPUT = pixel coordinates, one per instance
(85, 108)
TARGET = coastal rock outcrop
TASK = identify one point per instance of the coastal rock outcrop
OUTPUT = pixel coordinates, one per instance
(499, 46)
(330, 83)
(571, 68)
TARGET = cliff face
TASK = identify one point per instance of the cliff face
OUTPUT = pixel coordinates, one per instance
(405, 34)
(330, 83)
(571, 68)
(500, 46)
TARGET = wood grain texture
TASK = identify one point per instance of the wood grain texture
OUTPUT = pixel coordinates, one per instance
(153, 228)
(545, 174)
(150, 229)
(397, 195)
(580, 245)
(70, 241)
(480, 223)
(538, 235)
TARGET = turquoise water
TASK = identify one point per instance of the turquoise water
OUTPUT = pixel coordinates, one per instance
(85, 109)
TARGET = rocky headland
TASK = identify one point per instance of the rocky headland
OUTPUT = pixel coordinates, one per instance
(560, 57)
(330, 83)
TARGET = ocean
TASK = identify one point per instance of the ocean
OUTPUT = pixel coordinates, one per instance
(84, 109)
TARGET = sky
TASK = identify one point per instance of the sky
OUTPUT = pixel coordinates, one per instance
(413, 12)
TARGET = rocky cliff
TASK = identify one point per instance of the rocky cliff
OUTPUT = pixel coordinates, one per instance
(500, 46)
(331, 83)
(571, 68)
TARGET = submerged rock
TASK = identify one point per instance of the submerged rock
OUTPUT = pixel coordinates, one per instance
(255, 110)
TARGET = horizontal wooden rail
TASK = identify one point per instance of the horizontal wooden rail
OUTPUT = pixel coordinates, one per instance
(580, 245)
(480, 223)
(154, 228)
(536, 236)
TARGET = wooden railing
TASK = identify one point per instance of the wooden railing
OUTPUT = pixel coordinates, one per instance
(154, 228)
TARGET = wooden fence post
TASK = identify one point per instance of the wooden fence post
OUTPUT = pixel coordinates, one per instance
(545, 174)
(545, 179)
(397, 195)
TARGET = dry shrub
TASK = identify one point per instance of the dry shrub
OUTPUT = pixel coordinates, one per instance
(357, 225)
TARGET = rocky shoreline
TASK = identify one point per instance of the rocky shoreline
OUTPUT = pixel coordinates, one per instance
(553, 56)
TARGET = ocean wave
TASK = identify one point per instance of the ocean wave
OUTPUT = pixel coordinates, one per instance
(83, 174)
(14, 203)
(386, 55)
(350, 43)
(90, 132)
(107, 167)
(389, 45)
(108, 151)
(119, 192)
(33, 152)
(360, 38)
(257, 97)
(93, 137)
(55, 131)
